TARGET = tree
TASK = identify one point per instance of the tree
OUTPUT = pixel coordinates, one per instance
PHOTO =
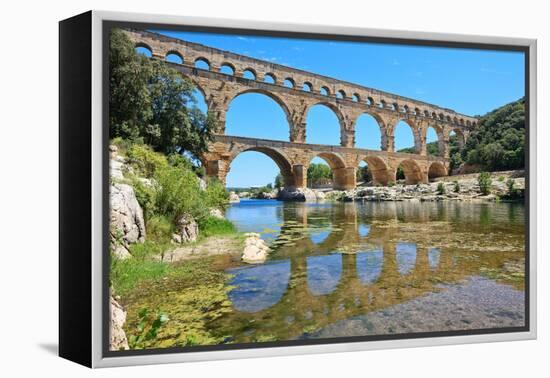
(319, 174)
(278, 181)
(484, 181)
(152, 103)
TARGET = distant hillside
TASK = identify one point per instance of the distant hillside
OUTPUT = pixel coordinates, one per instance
(497, 144)
(499, 141)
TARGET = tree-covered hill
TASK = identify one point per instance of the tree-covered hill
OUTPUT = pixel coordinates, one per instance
(497, 144)
(499, 141)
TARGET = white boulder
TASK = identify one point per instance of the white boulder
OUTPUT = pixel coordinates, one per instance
(127, 221)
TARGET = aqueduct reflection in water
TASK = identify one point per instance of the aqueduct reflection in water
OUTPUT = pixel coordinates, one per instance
(334, 262)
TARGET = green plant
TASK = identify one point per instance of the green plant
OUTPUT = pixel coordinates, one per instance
(440, 188)
(500, 178)
(484, 181)
(178, 193)
(215, 226)
(144, 160)
(159, 229)
(215, 195)
(391, 183)
(456, 187)
(147, 328)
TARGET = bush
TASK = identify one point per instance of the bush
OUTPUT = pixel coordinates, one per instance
(160, 229)
(215, 195)
(484, 181)
(440, 188)
(144, 160)
(145, 194)
(178, 193)
(512, 191)
(209, 226)
(500, 178)
(456, 187)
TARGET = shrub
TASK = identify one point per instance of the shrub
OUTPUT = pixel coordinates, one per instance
(500, 178)
(178, 193)
(391, 183)
(512, 191)
(440, 188)
(160, 229)
(144, 160)
(209, 226)
(484, 181)
(456, 187)
(145, 194)
(215, 195)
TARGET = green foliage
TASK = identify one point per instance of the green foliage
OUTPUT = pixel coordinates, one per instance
(178, 193)
(145, 194)
(152, 103)
(278, 181)
(456, 187)
(484, 181)
(147, 328)
(400, 173)
(441, 188)
(391, 183)
(363, 174)
(215, 226)
(144, 160)
(160, 229)
(215, 195)
(456, 160)
(319, 174)
(500, 178)
(499, 141)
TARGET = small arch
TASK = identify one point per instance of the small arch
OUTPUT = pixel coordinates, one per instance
(249, 74)
(356, 98)
(411, 172)
(382, 104)
(461, 121)
(468, 123)
(395, 106)
(144, 49)
(270, 78)
(370, 101)
(289, 82)
(448, 118)
(434, 115)
(324, 91)
(442, 116)
(307, 87)
(436, 169)
(458, 135)
(202, 64)
(174, 57)
(228, 69)
(341, 94)
(426, 113)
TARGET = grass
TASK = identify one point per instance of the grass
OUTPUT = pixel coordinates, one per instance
(211, 226)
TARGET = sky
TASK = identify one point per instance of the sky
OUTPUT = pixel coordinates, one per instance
(468, 81)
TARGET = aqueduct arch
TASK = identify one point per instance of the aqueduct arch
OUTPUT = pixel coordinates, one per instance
(348, 101)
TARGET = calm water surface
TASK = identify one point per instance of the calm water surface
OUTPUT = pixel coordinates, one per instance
(345, 269)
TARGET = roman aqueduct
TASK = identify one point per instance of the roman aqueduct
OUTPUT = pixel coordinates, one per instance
(296, 91)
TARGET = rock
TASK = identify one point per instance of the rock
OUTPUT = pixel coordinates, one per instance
(117, 336)
(216, 213)
(255, 250)
(244, 194)
(267, 195)
(202, 184)
(320, 196)
(188, 229)
(113, 150)
(234, 198)
(115, 169)
(176, 238)
(300, 194)
(126, 215)
(120, 251)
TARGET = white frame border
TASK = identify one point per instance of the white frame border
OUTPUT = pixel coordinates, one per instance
(97, 183)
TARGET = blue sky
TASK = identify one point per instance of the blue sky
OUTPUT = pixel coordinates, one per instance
(469, 81)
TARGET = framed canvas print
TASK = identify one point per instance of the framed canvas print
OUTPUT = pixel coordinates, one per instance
(234, 189)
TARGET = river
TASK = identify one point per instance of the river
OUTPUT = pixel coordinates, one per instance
(358, 269)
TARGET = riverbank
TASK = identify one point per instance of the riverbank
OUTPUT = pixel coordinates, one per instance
(501, 186)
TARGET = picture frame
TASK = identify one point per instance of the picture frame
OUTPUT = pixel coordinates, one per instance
(84, 289)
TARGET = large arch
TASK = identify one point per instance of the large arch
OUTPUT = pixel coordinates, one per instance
(365, 124)
(263, 128)
(282, 161)
(403, 141)
(379, 170)
(412, 171)
(340, 179)
(436, 169)
(318, 139)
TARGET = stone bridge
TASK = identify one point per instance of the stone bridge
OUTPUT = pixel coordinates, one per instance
(226, 75)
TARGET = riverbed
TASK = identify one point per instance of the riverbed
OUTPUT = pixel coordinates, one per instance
(360, 269)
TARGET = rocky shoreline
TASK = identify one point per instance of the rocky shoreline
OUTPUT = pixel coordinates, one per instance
(459, 188)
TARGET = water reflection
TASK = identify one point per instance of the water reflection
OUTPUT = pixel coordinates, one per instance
(334, 262)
